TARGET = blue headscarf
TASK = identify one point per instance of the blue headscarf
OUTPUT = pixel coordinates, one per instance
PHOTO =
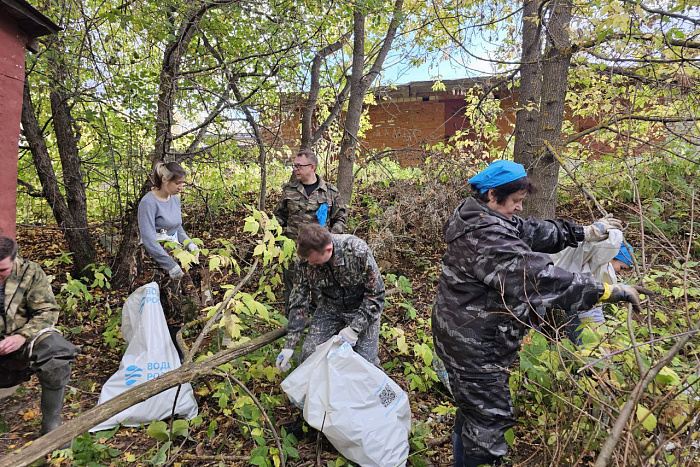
(625, 255)
(496, 174)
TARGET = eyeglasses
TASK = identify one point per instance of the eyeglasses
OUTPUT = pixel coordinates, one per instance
(299, 166)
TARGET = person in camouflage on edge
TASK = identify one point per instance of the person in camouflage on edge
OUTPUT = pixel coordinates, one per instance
(305, 200)
(29, 343)
(342, 272)
(494, 275)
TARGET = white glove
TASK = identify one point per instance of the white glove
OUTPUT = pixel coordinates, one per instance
(349, 335)
(282, 362)
(176, 273)
(193, 248)
(600, 229)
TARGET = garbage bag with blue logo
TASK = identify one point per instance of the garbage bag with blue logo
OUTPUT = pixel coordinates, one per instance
(150, 352)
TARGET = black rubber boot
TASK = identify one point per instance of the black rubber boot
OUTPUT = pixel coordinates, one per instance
(51, 407)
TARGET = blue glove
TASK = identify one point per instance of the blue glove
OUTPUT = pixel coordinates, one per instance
(322, 214)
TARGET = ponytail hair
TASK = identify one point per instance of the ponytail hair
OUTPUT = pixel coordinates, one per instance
(171, 171)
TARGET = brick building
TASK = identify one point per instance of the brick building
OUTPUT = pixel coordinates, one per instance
(20, 25)
(409, 117)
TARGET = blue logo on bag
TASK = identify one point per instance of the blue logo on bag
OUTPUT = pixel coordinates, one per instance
(132, 374)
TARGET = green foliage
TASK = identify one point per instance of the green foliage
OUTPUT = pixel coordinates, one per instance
(112, 332)
(90, 450)
(80, 296)
(579, 386)
(162, 432)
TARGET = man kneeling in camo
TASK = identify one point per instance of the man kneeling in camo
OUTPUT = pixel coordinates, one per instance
(342, 272)
(29, 343)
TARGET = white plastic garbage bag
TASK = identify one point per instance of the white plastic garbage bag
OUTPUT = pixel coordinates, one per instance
(362, 412)
(593, 257)
(149, 354)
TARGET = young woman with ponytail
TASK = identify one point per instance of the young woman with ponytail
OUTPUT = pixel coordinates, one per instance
(160, 221)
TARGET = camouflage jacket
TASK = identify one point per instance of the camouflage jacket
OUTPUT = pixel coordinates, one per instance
(494, 274)
(295, 209)
(349, 282)
(30, 305)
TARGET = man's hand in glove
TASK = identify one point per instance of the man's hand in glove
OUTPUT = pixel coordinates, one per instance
(600, 229)
(625, 293)
(349, 335)
(282, 362)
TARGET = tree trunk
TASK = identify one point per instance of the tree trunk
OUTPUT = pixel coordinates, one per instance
(167, 89)
(555, 79)
(359, 84)
(527, 141)
(67, 143)
(76, 233)
(541, 101)
(308, 137)
(354, 114)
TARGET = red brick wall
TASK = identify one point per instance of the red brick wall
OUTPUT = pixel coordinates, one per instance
(11, 85)
(400, 125)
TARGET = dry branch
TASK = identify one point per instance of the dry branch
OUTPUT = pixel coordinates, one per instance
(627, 410)
(185, 374)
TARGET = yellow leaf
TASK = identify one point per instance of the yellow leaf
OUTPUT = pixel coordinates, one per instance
(29, 415)
(130, 457)
(259, 249)
(645, 416)
(679, 420)
(401, 344)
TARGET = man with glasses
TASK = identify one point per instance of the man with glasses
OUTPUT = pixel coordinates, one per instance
(307, 199)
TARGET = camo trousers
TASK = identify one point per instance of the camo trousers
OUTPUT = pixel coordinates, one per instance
(484, 414)
(328, 322)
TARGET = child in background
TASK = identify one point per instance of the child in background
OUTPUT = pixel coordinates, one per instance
(604, 259)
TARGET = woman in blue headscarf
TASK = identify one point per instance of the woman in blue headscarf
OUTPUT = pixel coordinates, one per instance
(495, 272)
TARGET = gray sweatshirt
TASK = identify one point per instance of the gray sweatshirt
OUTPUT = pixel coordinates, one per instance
(157, 216)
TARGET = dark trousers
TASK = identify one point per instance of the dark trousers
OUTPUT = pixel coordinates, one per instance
(484, 414)
(51, 360)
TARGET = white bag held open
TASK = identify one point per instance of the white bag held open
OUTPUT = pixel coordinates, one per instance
(149, 354)
(362, 412)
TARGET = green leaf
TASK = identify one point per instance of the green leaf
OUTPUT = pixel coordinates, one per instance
(251, 225)
(401, 344)
(180, 428)
(509, 436)
(161, 456)
(158, 430)
(259, 249)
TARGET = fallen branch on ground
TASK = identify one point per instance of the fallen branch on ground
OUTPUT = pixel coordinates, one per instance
(186, 373)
